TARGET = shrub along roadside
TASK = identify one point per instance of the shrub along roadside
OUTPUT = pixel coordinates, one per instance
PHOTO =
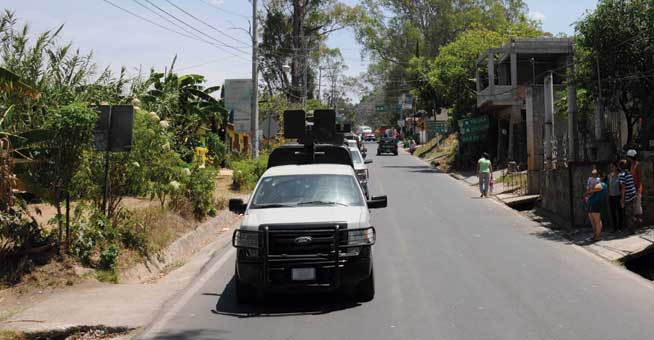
(247, 172)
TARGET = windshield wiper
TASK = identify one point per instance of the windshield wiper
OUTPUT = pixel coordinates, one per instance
(323, 203)
(272, 205)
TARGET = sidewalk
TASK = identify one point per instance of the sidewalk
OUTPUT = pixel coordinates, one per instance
(614, 247)
(129, 305)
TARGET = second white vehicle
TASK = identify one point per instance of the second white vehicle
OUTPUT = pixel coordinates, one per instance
(361, 169)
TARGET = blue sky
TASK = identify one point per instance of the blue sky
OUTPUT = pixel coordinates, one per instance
(118, 38)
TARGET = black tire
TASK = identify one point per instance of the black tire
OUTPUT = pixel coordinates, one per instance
(245, 293)
(365, 290)
(395, 153)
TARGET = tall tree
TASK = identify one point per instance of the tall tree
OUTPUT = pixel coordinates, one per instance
(616, 42)
(293, 33)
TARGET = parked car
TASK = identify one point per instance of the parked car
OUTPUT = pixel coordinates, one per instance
(387, 145)
(361, 169)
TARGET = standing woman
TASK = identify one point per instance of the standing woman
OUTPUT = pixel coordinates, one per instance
(615, 194)
(595, 201)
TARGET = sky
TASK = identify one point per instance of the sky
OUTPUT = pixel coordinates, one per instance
(219, 49)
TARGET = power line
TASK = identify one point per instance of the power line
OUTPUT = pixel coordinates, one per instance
(208, 25)
(166, 19)
(225, 11)
(195, 29)
(169, 29)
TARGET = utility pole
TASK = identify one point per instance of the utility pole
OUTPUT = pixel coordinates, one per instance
(549, 113)
(254, 119)
(319, 84)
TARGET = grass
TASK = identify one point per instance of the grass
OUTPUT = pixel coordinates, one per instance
(108, 276)
(11, 335)
(440, 150)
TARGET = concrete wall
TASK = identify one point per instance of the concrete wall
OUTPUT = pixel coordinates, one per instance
(555, 192)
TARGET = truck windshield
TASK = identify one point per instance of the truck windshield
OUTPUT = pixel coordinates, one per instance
(307, 190)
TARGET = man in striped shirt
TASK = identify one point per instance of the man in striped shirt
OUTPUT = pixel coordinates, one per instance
(628, 195)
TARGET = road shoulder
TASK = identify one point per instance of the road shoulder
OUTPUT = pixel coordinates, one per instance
(135, 304)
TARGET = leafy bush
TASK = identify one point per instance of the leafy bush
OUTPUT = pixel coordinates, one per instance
(147, 170)
(108, 258)
(195, 192)
(247, 172)
(217, 150)
(244, 177)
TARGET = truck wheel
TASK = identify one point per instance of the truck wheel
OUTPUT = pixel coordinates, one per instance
(245, 293)
(395, 152)
(365, 290)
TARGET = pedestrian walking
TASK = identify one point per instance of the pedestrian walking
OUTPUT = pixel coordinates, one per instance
(595, 199)
(628, 193)
(484, 172)
(615, 194)
(637, 174)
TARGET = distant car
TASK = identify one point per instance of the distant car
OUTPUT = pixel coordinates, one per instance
(361, 169)
(387, 145)
(369, 137)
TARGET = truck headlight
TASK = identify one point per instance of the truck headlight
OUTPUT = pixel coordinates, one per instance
(245, 239)
(362, 237)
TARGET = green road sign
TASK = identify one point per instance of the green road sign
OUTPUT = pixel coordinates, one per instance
(472, 137)
(473, 129)
(380, 108)
(473, 125)
(434, 127)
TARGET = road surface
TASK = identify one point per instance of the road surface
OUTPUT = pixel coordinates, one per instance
(448, 265)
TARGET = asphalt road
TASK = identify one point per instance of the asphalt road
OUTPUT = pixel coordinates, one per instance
(448, 265)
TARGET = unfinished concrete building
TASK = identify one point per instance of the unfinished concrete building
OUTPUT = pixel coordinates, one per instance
(511, 90)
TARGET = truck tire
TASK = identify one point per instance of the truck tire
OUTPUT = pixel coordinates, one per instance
(365, 290)
(245, 293)
(395, 152)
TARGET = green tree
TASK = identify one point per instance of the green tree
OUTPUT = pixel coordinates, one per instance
(69, 130)
(450, 71)
(616, 40)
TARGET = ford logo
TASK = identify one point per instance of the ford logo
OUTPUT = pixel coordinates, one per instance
(303, 240)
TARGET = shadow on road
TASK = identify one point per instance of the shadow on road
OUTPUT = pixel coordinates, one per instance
(280, 305)
(406, 166)
(199, 334)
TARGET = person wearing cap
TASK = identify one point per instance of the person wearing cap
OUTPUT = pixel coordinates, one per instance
(484, 171)
(637, 174)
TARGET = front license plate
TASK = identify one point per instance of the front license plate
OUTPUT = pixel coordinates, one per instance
(303, 274)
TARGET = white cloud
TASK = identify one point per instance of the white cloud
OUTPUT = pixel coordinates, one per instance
(536, 15)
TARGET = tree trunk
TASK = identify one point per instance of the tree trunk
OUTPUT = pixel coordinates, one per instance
(59, 226)
(296, 44)
(67, 243)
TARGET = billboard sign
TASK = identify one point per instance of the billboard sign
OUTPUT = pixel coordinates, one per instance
(473, 129)
(238, 95)
(434, 127)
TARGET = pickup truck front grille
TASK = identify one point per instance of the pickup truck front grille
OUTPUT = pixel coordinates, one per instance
(290, 240)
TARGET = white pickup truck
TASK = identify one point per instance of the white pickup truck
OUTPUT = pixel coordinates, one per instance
(305, 228)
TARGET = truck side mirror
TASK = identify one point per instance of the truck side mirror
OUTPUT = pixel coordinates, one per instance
(367, 161)
(237, 206)
(378, 202)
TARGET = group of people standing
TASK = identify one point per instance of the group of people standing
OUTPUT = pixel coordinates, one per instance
(625, 187)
